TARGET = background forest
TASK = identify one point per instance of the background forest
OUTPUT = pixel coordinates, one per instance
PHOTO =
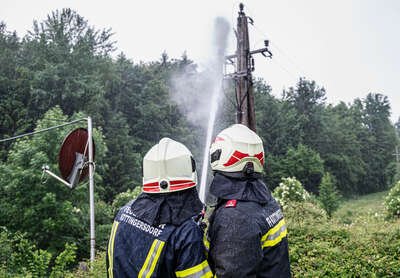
(64, 69)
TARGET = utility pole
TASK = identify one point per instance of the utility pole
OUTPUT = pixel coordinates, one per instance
(397, 154)
(244, 64)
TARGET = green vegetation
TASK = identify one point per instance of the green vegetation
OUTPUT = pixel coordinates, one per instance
(63, 69)
(290, 190)
(392, 201)
(356, 242)
(328, 195)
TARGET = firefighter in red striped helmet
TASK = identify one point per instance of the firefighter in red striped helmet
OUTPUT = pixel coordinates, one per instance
(247, 234)
(156, 235)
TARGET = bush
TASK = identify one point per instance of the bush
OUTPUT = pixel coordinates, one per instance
(328, 195)
(124, 197)
(95, 270)
(322, 247)
(290, 190)
(21, 258)
(392, 201)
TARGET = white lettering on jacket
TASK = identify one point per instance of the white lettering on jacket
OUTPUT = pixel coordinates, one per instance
(274, 218)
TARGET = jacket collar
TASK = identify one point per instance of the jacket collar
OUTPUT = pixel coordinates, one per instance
(243, 189)
(168, 208)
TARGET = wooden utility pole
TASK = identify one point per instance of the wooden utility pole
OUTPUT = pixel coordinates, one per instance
(397, 154)
(245, 113)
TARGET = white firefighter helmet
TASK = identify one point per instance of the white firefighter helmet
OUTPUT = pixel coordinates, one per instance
(237, 149)
(168, 167)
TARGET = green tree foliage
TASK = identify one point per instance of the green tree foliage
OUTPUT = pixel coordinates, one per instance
(13, 88)
(328, 194)
(308, 101)
(124, 197)
(340, 147)
(379, 144)
(301, 162)
(21, 258)
(276, 121)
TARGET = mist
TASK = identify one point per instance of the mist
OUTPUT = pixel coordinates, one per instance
(199, 94)
(193, 90)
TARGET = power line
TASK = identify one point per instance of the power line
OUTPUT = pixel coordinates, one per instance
(40, 131)
(278, 48)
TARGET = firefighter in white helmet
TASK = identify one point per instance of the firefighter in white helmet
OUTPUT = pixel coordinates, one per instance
(247, 232)
(156, 235)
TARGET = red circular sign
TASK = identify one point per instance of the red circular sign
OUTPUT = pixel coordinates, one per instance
(75, 142)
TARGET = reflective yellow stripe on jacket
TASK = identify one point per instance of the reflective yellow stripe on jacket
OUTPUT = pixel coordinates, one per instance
(206, 244)
(152, 258)
(197, 271)
(274, 235)
(111, 248)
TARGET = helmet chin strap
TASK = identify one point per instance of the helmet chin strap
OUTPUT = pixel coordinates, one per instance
(248, 169)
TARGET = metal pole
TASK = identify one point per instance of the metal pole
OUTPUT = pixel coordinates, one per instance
(47, 171)
(91, 191)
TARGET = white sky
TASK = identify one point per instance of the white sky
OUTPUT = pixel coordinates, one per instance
(349, 47)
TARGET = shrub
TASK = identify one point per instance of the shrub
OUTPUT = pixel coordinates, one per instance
(290, 190)
(97, 269)
(21, 258)
(328, 195)
(304, 213)
(64, 261)
(124, 197)
(392, 201)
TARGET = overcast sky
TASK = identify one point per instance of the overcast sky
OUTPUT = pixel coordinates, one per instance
(350, 47)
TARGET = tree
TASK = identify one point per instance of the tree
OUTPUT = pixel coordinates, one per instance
(328, 194)
(276, 120)
(303, 163)
(379, 144)
(340, 147)
(13, 88)
(308, 100)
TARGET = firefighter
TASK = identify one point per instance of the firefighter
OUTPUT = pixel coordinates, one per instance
(156, 235)
(247, 232)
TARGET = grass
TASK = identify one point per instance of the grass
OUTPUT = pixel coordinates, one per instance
(362, 206)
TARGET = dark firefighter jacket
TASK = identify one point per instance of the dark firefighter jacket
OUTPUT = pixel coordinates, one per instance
(247, 232)
(156, 236)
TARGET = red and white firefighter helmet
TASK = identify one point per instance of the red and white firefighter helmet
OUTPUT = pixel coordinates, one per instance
(168, 167)
(237, 149)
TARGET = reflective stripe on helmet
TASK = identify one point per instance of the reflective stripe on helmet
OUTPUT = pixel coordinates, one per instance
(237, 156)
(260, 157)
(175, 185)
